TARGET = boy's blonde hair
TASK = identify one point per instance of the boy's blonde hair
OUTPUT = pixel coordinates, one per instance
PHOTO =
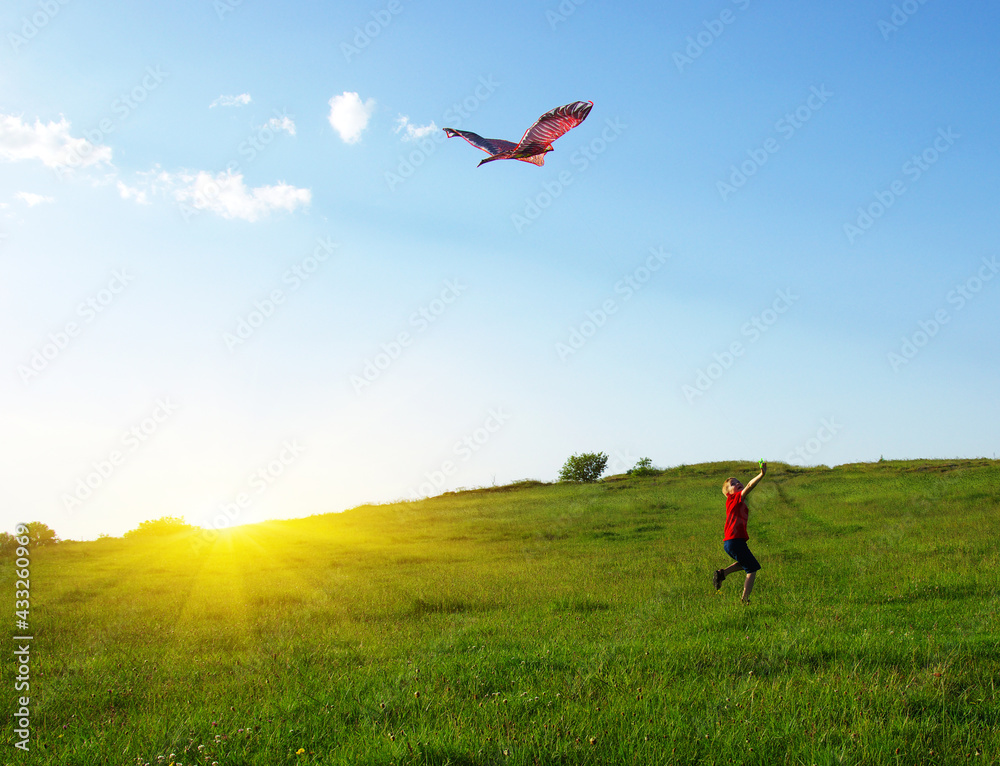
(728, 484)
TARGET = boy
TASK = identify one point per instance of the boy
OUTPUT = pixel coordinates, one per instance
(735, 542)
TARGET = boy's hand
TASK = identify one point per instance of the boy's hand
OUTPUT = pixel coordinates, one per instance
(753, 482)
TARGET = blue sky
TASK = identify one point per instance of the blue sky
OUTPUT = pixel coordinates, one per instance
(245, 276)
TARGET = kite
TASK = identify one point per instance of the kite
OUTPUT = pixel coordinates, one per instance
(536, 141)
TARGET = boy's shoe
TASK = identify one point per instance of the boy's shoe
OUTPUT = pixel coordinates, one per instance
(717, 578)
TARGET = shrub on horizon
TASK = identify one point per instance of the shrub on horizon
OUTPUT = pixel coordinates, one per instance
(587, 467)
(644, 467)
(37, 533)
(167, 525)
(8, 544)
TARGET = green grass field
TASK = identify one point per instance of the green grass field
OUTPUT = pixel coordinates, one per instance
(538, 624)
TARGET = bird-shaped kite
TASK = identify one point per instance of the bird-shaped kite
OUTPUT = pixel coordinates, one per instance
(536, 141)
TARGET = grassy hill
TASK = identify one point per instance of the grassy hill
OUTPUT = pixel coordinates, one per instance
(538, 624)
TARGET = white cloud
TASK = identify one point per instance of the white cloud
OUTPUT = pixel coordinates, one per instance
(157, 179)
(241, 100)
(224, 194)
(51, 143)
(283, 123)
(349, 116)
(133, 192)
(31, 199)
(227, 195)
(413, 132)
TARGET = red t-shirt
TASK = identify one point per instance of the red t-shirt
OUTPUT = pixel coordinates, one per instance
(736, 517)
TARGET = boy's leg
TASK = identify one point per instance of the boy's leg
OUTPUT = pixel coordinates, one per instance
(748, 586)
(720, 574)
(734, 567)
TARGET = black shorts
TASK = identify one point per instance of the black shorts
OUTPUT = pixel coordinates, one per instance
(740, 552)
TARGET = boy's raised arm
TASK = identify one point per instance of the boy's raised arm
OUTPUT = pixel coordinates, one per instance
(753, 482)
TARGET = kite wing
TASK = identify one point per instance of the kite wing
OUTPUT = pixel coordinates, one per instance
(539, 137)
(491, 146)
(536, 141)
(534, 159)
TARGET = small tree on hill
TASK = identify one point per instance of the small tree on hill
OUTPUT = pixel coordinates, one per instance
(168, 525)
(41, 534)
(8, 544)
(644, 467)
(587, 467)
